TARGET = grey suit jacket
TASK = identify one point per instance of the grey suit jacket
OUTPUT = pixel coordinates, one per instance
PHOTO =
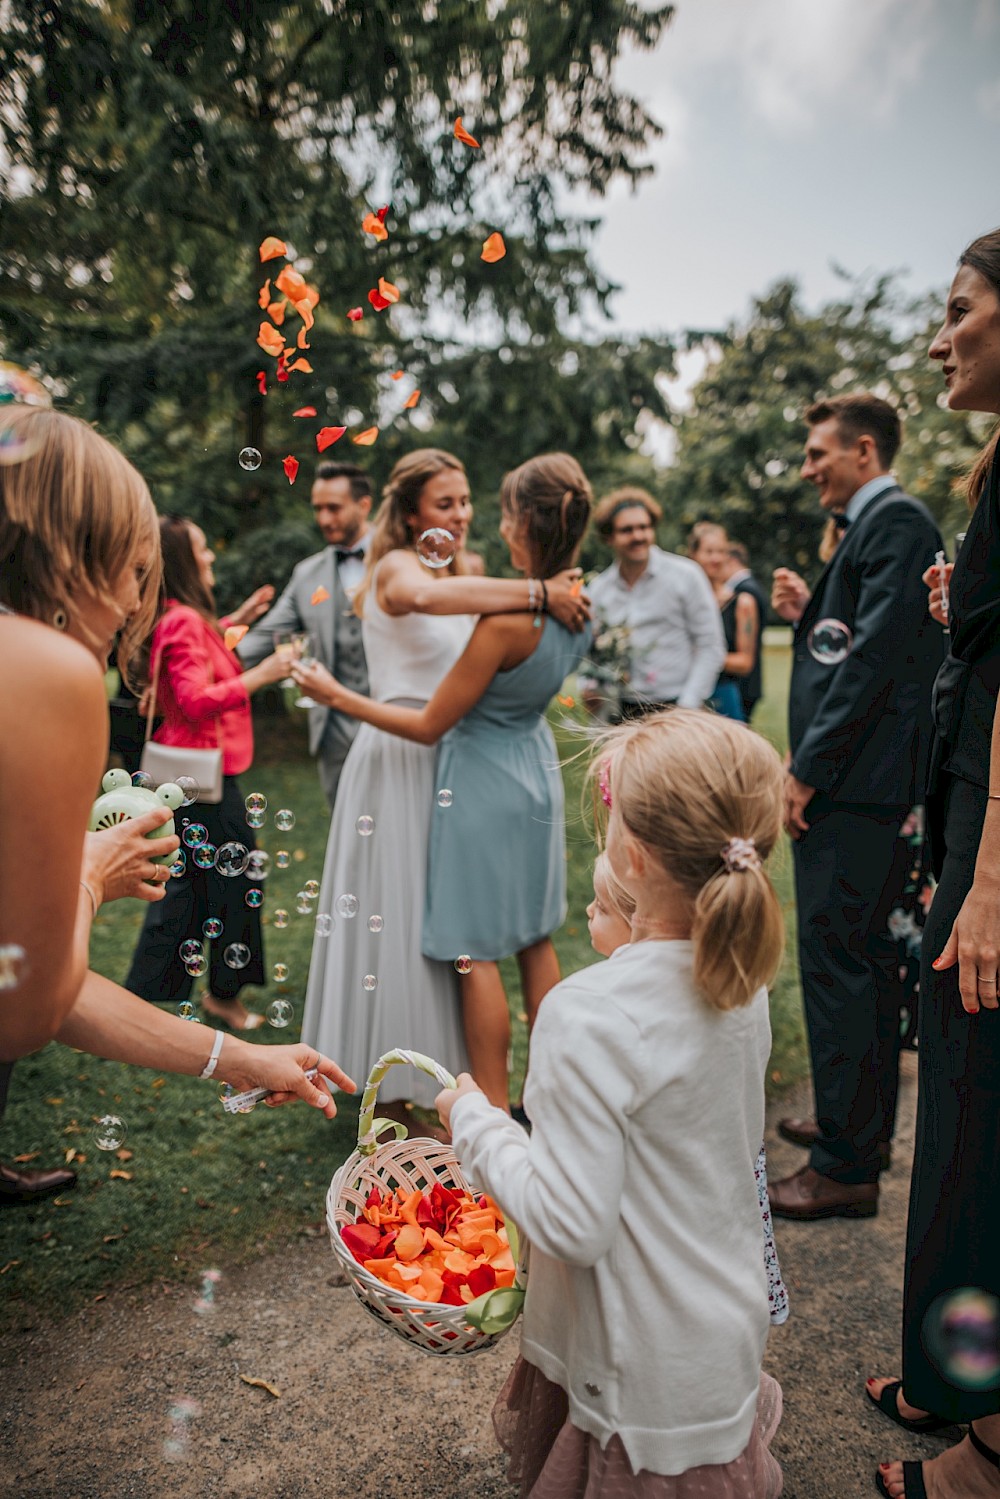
(294, 610)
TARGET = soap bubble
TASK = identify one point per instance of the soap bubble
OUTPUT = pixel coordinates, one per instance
(282, 858)
(284, 820)
(830, 642)
(211, 928)
(190, 948)
(463, 963)
(204, 855)
(14, 965)
(279, 1012)
(256, 819)
(347, 906)
(435, 547)
(197, 966)
(179, 866)
(961, 1334)
(280, 918)
(232, 859)
(109, 1132)
(254, 898)
(444, 797)
(324, 924)
(281, 973)
(195, 834)
(303, 903)
(258, 864)
(311, 888)
(375, 923)
(249, 459)
(365, 825)
(186, 1010)
(369, 982)
(256, 802)
(190, 788)
(236, 955)
(144, 781)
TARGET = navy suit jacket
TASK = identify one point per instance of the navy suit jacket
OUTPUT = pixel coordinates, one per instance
(861, 731)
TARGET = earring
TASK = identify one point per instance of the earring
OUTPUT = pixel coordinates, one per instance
(60, 618)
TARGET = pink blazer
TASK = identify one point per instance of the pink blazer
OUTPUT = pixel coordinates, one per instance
(200, 694)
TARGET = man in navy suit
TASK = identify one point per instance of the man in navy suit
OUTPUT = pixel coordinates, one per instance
(859, 734)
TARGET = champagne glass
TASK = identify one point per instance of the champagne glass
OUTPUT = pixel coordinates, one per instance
(285, 646)
(306, 645)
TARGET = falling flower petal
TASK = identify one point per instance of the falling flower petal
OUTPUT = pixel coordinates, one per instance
(291, 467)
(305, 411)
(234, 634)
(356, 314)
(282, 370)
(302, 364)
(382, 213)
(327, 436)
(387, 290)
(320, 596)
(397, 374)
(373, 225)
(269, 339)
(276, 311)
(271, 248)
(291, 282)
(265, 293)
(461, 134)
(411, 401)
(377, 300)
(567, 702)
(262, 382)
(302, 342)
(305, 313)
(366, 438)
(493, 249)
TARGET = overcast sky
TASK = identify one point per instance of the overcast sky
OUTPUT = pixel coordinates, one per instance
(799, 133)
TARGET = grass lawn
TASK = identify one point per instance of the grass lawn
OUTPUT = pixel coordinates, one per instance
(192, 1185)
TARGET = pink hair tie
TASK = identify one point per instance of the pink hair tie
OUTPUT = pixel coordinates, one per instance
(604, 782)
(740, 854)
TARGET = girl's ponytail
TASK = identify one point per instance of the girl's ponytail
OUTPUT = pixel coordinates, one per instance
(738, 930)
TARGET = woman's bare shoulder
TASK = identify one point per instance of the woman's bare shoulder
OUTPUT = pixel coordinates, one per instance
(47, 679)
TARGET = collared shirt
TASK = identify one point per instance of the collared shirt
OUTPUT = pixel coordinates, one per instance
(862, 498)
(677, 641)
(352, 570)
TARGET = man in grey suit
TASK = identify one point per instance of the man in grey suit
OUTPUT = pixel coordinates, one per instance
(318, 598)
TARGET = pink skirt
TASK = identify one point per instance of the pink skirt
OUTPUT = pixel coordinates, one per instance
(550, 1458)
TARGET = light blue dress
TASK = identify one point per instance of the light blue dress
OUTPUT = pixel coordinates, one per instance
(496, 874)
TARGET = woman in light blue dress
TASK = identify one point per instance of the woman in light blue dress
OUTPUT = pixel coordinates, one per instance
(496, 875)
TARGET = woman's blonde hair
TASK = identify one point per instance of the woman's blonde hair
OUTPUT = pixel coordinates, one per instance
(74, 513)
(622, 904)
(400, 502)
(686, 783)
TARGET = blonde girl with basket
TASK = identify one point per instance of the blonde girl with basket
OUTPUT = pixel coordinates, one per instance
(647, 1306)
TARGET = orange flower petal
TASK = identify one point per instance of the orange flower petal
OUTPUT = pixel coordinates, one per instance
(493, 249)
(304, 311)
(234, 634)
(276, 311)
(302, 364)
(265, 293)
(411, 401)
(397, 374)
(269, 339)
(302, 342)
(291, 467)
(461, 134)
(291, 282)
(271, 248)
(305, 411)
(387, 290)
(373, 225)
(567, 702)
(366, 438)
(327, 436)
(320, 596)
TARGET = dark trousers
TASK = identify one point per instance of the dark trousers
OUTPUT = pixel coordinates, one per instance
(850, 981)
(157, 972)
(953, 1233)
(6, 1068)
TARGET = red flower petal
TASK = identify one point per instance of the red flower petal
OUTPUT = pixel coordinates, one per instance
(327, 436)
(377, 300)
(291, 467)
(262, 382)
(305, 411)
(461, 134)
(356, 314)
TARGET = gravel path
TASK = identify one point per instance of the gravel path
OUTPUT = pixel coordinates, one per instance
(85, 1401)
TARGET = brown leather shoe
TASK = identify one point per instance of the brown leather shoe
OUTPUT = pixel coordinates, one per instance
(807, 1195)
(26, 1186)
(804, 1132)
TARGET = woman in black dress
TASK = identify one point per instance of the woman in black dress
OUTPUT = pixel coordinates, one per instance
(951, 1312)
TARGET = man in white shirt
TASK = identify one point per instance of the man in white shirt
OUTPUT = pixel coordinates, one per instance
(676, 645)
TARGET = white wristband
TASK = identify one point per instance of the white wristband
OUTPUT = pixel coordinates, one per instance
(209, 1066)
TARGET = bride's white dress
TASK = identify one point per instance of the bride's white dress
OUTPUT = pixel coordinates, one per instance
(370, 988)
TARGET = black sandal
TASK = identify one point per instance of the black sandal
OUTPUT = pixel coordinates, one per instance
(886, 1403)
(913, 1482)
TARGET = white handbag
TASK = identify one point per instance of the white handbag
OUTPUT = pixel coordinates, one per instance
(165, 762)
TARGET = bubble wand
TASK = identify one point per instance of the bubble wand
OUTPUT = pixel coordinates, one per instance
(941, 564)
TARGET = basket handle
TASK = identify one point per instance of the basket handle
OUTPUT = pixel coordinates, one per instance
(368, 1126)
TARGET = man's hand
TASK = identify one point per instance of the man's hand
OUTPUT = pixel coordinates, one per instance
(789, 595)
(797, 798)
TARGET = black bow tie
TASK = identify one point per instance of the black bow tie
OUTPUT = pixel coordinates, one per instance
(841, 522)
(349, 556)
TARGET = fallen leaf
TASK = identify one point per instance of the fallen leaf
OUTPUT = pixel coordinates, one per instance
(411, 401)
(269, 339)
(373, 225)
(276, 311)
(305, 411)
(262, 382)
(10, 1265)
(320, 596)
(112, 1238)
(291, 467)
(122, 1176)
(461, 134)
(54, 1101)
(356, 314)
(234, 634)
(123, 1154)
(493, 249)
(271, 248)
(327, 436)
(302, 364)
(102, 1297)
(70, 1155)
(261, 1384)
(158, 1082)
(366, 438)
(265, 293)
(31, 1156)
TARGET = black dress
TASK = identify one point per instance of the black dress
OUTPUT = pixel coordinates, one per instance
(952, 1285)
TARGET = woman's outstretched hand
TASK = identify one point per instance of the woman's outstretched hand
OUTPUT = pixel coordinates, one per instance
(567, 601)
(282, 1071)
(255, 607)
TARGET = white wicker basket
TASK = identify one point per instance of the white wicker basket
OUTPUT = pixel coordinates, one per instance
(411, 1164)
